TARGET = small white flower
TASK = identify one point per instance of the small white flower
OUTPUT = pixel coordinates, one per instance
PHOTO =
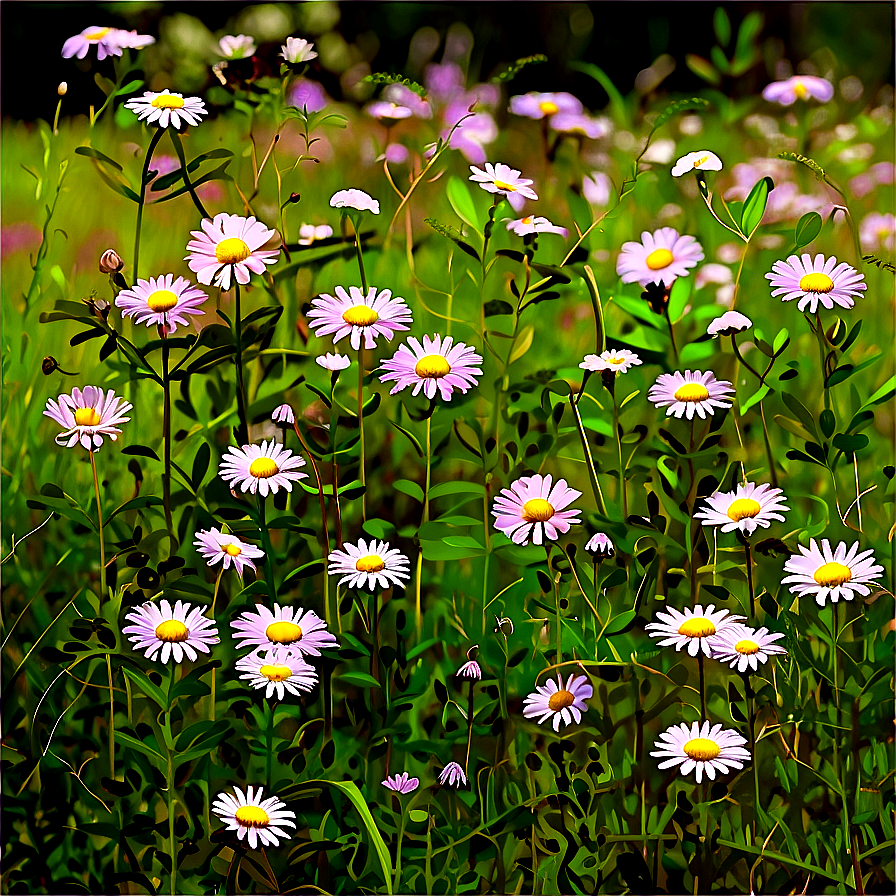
(284, 414)
(371, 565)
(238, 46)
(748, 507)
(308, 233)
(693, 628)
(729, 323)
(703, 160)
(745, 647)
(356, 199)
(333, 362)
(618, 360)
(259, 821)
(297, 50)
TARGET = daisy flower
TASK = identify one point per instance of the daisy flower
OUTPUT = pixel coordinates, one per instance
(704, 748)
(371, 565)
(167, 108)
(355, 315)
(828, 574)
(262, 468)
(333, 363)
(619, 361)
(539, 105)
(729, 323)
(742, 646)
(131, 40)
(581, 125)
(239, 46)
(690, 393)
(746, 508)
(798, 88)
(503, 180)
(564, 703)
(104, 39)
(601, 547)
(308, 233)
(402, 783)
(693, 628)
(702, 160)
(259, 821)
(382, 109)
(297, 50)
(878, 231)
(356, 199)
(87, 416)
(176, 632)
(230, 245)
(437, 364)
(535, 224)
(660, 257)
(284, 415)
(161, 301)
(303, 630)
(281, 670)
(821, 280)
(219, 546)
(531, 507)
(452, 773)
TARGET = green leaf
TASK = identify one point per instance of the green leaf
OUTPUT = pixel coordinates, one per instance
(884, 393)
(523, 343)
(410, 437)
(361, 679)
(662, 464)
(418, 815)
(456, 488)
(678, 297)
(754, 206)
(461, 201)
(407, 487)
(602, 78)
(617, 623)
(755, 398)
(128, 741)
(92, 153)
(152, 691)
(702, 68)
(721, 25)
(807, 228)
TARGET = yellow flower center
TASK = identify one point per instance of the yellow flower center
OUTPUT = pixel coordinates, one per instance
(509, 188)
(816, 283)
(87, 417)
(252, 817)
(561, 700)
(537, 510)
(172, 630)
(691, 392)
(832, 574)
(659, 258)
(747, 647)
(276, 673)
(614, 360)
(97, 35)
(800, 89)
(283, 632)
(701, 161)
(232, 251)
(233, 549)
(548, 107)
(743, 508)
(360, 316)
(167, 101)
(432, 366)
(162, 300)
(370, 563)
(263, 468)
(697, 627)
(702, 749)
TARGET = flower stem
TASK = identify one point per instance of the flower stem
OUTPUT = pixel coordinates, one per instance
(547, 551)
(702, 685)
(592, 471)
(672, 336)
(619, 452)
(111, 719)
(99, 513)
(143, 181)
(361, 430)
(268, 551)
(362, 273)
(822, 352)
(179, 149)
(749, 559)
(268, 742)
(469, 728)
(166, 433)
(237, 331)
(751, 722)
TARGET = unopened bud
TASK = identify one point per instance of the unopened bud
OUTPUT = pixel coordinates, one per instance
(294, 197)
(110, 262)
(49, 365)
(62, 89)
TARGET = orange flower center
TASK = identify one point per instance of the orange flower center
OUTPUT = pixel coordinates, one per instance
(659, 258)
(232, 251)
(746, 647)
(252, 817)
(233, 549)
(172, 630)
(816, 283)
(370, 563)
(263, 468)
(697, 627)
(87, 417)
(283, 632)
(743, 508)
(561, 700)
(360, 316)
(162, 300)
(432, 367)
(832, 574)
(691, 392)
(276, 673)
(702, 749)
(537, 510)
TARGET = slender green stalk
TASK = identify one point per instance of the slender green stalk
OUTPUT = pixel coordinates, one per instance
(822, 356)
(470, 701)
(751, 722)
(153, 143)
(702, 686)
(360, 255)
(268, 550)
(749, 560)
(99, 513)
(111, 719)
(166, 432)
(237, 331)
(268, 742)
(618, 437)
(172, 847)
(553, 578)
(592, 470)
(418, 579)
(361, 428)
(672, 336)
(179, 149)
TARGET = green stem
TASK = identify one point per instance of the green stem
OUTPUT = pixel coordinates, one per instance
(428, 462)
(143, 182)
(592, 471)
(622, 491)
(99, 513)
(469, 729)
(172, 849)
(268, 550)
(360, 255)
(702, 686)
(751, 721)
(166, 434)
(237, 331)
(822, 352)
(749, 559)
(179, 149)
(111, 719)
(672, 336)
(268, 742)
(361, 429)
(553, 578)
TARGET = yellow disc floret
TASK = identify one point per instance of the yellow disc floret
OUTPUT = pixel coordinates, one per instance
(659, 258)
(743, 508)
(697, 627)
(537, 510)
(275, 672)
(263, 468)
(170, 101)
(360, 316)
(232, 251)
(747, 647)
(233, 549)
(87, 417)
(702, 749)
(161, 300)
(370, 563)
(548, 107)
(283, 632)
(97, 35)
(832, 574)
(252, 817)
(816, 283)
(561, 700)
(432, 367)
(691, 392)
(501, 185)
(172, 630)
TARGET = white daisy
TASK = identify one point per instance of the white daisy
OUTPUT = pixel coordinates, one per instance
(303, 630)
(259, 821)
(226, 548)
(167, 108)
(693, 628)
(262, 468)
(371, 565)
(175, 632)
(742, 646)
(704, 748)
(689, 393)
(618, 360)
(746, 508)
(703, 160)
(280, 669)
(828, 574)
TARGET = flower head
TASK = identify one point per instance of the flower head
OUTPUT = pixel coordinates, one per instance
(357, 315)
(230, 245)
(579, 124)
(161, 301)
(297, 50)
(259, 821)
(729, 323)
(702, 160)
(660, 257)
(562, 703)
(535, 224)
(111, 262)
(704, 748)
(356, 199)
(402, 783)
(167, 108)
(302, 630)
(831, 574)
(452, 774)
(176, 632)
(87, 416)
(372, 565)
(601, 547)
(308, 233)
(693, 628)
(436, 365)
(284, 415)
(333, 362)
(261, 468)
(618, 360)
(502, 179)
(131, 40)
(239, 46)
(816, 281)
(539, 105)
(531, 507)
(689, 393)
(799, 87)
(748, 507)
(218, 546)
(744, 647)
(384, 110)
(878, 231)
(108, 42)
(280, 670)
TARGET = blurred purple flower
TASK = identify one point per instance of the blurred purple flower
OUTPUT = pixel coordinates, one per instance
(309, 94)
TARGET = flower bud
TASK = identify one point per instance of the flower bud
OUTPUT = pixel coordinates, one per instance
(49, 365)
(110, 262)
(62, 89)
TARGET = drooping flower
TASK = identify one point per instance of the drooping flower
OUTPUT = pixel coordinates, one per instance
(284, 415)
(816, 281)
(877, 231)
(746, 508)
(564, 704)
(601, 547)
(436, 365)
(452, 774)
(230, 246)
(369, 565)
(704, 748)
(831, 574)
(689, 393)
(167, 108)
(744, 647)
(702, 160)
(303, 630)
(402, 783)
(308, 233)
(256, 820)
(470, 669)
(535, 224)
(280, 670)
(176, 632)
(502, 179)
(729, 323)
(660, 257)
(297, 50)
(87, 416)
(538, 105)
(218, 546)
(333, 362)
(161, 301)
(356, 199)
(261, 468)
(531, 507)
(799, 87)
(692, 628)
(619, 360)
(357, 315)
(236, 46)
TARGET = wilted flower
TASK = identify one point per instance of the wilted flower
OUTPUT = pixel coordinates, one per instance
(216, 546)
(452, 774)
(535, 224)
(284, 414)
(601, 547)
(333, 363)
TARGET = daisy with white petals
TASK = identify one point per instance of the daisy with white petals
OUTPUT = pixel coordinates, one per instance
(618, 360)
(303, 630)
(743, 647)
(176, 632)
(261, 822)
(226, 549)
(280, 670)
(502, 180)
(816, 281)
(746, 508)
(236, 46)
(534, 508)
(161, 301)
(87, 416)
(729, 323)
(703, 160)
(297, 50)
(167, 108)
(333, 363)
(689, 393)
(660, 257)
(229, 246)
(535, 224)
(692, 628)
(563, 704)
(356, 199)
(371, 565)
(358, 316)
(831, 574)
(261, 468)
(702, 748)
(438, 365)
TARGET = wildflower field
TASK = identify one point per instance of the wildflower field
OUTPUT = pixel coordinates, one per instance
(443, 454)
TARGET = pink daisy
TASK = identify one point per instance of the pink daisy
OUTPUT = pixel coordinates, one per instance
(531, 507)
(355, 315)
(437, 364)
(798, 88)
(218, 546)
(616, 360)
(402, 783)
(813, 281)
(356, 199)
(502, 179)
(161, 301)
(565, 703)
(748, 507)
(106, 41)
(689, 393)
(303, 630)
(540, 105)
(262, 468)
(87, 416)
(281, 670)
(176, 632)
(535, 224)
(831, 574)
(660, 257)
(744, 647)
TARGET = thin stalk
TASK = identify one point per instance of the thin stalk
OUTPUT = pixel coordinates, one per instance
(672, 336)
(99, 513)
(592, 471)
(547, 550)
(749, 560)
(622, 491)
(166, 433)
(702, 686)
(360, 255)
(111, 719)
(361, 431)
(214, 670)
(172, 849)
(822, 352)
(418, 579)
(268, 550)
(237, 332)
(268, 742)
(153, 143)
(469, 728)
(179, 149)
(751, 721)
